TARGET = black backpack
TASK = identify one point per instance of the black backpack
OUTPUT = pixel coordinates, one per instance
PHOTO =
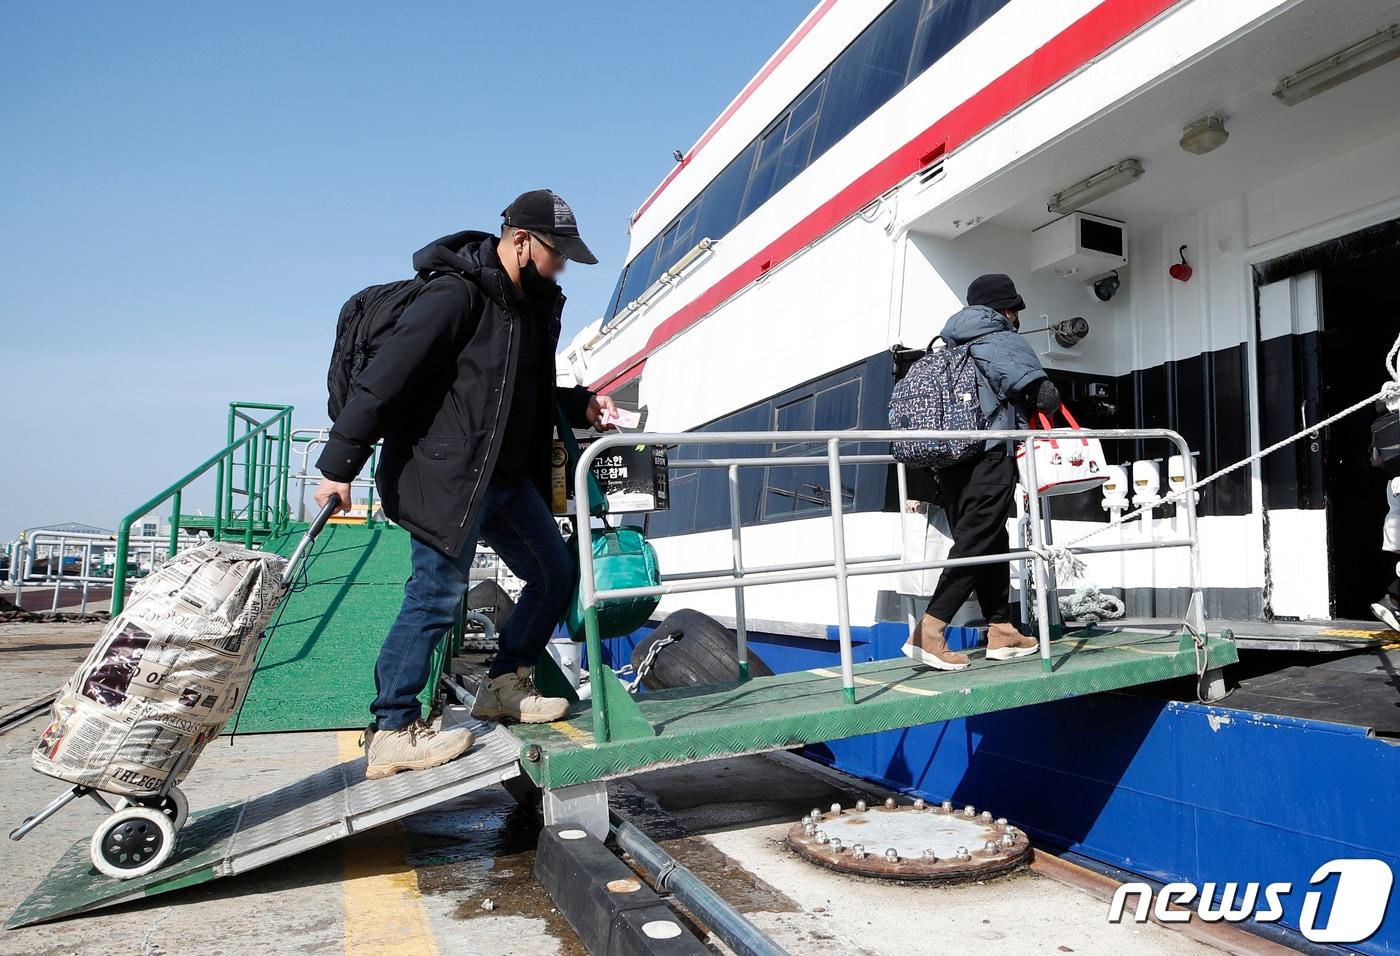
(365, 322)
(1385, 444)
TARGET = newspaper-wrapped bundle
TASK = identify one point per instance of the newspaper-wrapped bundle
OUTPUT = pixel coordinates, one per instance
(167, 673)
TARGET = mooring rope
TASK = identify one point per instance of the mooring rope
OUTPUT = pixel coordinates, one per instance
(1068, 566)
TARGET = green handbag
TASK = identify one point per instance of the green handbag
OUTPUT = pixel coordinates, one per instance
(622, 558)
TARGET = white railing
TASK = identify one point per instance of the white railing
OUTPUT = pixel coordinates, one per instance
(840, 567)
(78, 560)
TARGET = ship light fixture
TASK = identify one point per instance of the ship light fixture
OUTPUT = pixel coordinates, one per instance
(1097, 186)
(1203, 135)
(1379, 48)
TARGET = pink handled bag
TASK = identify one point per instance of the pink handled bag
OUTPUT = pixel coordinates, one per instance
(1063, 466)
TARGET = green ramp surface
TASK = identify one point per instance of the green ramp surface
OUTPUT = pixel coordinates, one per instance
(317, 666)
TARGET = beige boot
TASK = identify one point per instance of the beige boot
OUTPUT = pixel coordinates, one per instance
(1004, 642)
(513, 697)
(927, 646)
(418, 746)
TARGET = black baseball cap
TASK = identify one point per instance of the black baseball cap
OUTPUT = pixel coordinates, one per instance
(542, 211)
(996, 291)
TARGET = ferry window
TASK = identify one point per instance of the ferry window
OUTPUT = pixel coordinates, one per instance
(617, 291)
(719, 209)
(676, 241)
(793, 417)
(868, 73)
(943, 24)
(838, 407)
(784, 150)
(638, 274)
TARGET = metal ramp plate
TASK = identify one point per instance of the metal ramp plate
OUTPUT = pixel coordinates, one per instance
(803, 707)
(238, 837)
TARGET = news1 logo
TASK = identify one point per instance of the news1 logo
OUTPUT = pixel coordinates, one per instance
(1359, 899)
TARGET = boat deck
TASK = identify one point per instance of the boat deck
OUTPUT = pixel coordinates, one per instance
(683, 725)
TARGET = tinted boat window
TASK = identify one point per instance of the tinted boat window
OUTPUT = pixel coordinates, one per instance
(906, 39)
(944, 24)
(719, 210)
(638, 274)
(868, 73)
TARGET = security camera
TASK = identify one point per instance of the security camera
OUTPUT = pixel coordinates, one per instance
(1107, 287)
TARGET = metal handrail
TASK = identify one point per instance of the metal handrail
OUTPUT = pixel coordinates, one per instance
(34, 544)
(310, 439)
(738, 578)
(264, 485)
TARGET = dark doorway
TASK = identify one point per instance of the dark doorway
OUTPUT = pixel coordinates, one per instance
(1360, 320)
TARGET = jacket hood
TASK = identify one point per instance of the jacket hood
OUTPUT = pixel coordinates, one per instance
(973, 321)
(473, 254)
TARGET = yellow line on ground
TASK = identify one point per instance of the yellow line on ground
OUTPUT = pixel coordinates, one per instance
(578, 736)
(872, 682)
(384, 913)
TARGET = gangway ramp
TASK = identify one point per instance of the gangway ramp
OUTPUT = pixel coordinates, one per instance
(803, 707)
(237, 837)
(317, 667)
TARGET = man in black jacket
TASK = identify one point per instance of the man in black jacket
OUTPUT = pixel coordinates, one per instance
(463, 395)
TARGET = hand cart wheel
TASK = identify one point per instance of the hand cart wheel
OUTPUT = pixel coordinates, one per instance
(175, 805)
(132, 842)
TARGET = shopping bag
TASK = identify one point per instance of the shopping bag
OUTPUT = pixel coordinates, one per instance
(925, 536)
(1063, 466)
(622, 558)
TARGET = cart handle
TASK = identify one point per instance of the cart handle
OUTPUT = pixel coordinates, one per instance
(307, 540)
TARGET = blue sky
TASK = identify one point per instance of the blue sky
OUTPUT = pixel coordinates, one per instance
(188, 192)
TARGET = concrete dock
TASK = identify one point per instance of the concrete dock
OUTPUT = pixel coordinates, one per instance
(458, 879)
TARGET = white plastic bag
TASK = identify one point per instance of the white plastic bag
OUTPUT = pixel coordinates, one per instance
(926, 537)
(1063, 466)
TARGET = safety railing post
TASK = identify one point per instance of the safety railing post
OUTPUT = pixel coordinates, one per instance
(250, 472)
(219, 499)
(583, 534)
(1195, 612)
(741, 633)
(373, 464)
(838, 547)
(1042, 575)
(175, 525)
(119, 572)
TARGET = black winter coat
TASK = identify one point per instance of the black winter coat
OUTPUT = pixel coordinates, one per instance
(438, 393)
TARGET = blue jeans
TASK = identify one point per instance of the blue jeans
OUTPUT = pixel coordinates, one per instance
(517, 525)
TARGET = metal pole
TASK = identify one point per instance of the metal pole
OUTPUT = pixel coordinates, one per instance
(740, 626)
(583, 534)
(58, 581)
(838, 547)
(373, 464)
(250, 473)
(219, 500)
(1052, 581)
(119, 572)
(1042, 616)
(713, 910)
(175, 525)
(1195, 613)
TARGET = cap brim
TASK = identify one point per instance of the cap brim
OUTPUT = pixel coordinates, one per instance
(573, 248)
(1016, 304)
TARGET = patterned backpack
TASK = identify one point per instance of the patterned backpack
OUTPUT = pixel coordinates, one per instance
(939, 393)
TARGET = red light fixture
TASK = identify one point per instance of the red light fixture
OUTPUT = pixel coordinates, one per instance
(1180, 271)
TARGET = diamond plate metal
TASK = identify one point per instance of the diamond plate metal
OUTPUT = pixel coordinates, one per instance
(789, 710)
(235, 838)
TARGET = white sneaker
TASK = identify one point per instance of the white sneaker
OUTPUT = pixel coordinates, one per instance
(418, 746)
(513, 697)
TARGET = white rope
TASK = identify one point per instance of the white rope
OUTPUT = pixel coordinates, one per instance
(1058, 555)
(1091, 605)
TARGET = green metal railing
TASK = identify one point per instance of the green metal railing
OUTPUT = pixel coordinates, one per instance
(262, 453)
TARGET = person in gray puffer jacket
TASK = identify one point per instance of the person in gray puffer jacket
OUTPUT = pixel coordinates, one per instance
(978, 495)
